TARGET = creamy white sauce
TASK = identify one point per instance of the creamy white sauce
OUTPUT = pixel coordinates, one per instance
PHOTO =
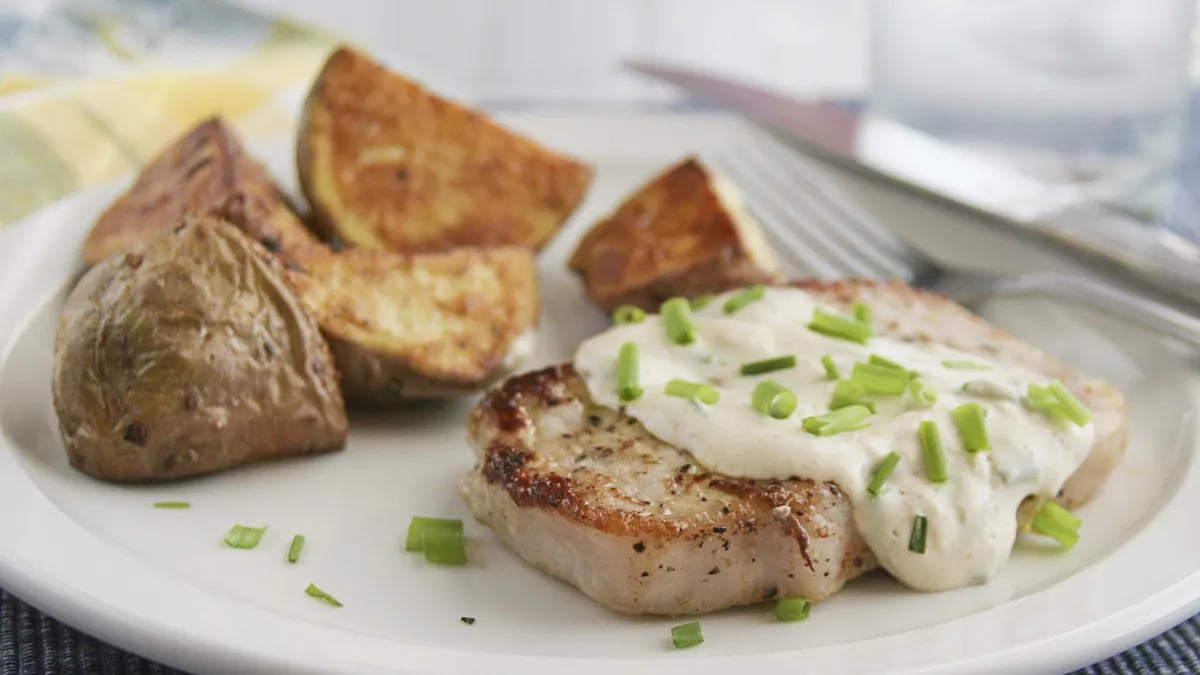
(972, 517)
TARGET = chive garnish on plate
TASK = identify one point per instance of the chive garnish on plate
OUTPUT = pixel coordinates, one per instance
(686, 635)
(792, 609)
(862, 312)
(883, 470)
(773, 400)
(749, 295)
(1059, 402)
(877, 360)
(627, 373)
(843, 328)
(963, 364)
(319, 594)
(444, 546)
(295, 549)
(968, 417)
(696, 391)
(440, 538)
(768, 365)
(677, 318)
(916, 541)
(414, 541)
(922, 394)
(849, 418)
(882, 380)
(700, 302)
(627, 314)
(1055, 522)
(172, 505)
(931, 451)
(847, 393)
(831, 369)
(244, 537)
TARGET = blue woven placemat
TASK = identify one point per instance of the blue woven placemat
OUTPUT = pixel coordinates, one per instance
(32, 643)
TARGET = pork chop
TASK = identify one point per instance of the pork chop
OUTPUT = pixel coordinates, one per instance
(586, 494)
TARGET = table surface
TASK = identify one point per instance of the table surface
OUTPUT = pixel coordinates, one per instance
(31, 642)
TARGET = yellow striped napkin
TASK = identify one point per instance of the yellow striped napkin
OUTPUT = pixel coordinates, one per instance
(57, 139)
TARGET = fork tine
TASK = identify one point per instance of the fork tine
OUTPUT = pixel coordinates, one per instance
(814, 260)
(892, 246)
(831, 216)
(811, 221)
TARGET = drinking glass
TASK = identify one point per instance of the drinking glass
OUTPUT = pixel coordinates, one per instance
(1084, 93)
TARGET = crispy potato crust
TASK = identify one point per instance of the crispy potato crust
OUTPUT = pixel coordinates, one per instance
(206, 172)
(681, 234)
(388, 165)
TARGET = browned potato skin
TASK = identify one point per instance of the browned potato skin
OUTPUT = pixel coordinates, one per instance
(388, 165)
(206, 171)
(421, 325)
(191, 354)
(673, 237)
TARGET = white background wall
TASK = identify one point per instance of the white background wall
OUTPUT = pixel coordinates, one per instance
(569, 50)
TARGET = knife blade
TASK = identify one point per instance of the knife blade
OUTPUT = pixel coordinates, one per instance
(923, 165)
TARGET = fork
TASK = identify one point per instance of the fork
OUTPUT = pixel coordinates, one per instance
(804, 213)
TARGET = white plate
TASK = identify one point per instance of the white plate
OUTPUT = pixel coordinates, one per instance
(161, 582)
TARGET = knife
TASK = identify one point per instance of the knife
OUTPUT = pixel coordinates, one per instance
(920, 164)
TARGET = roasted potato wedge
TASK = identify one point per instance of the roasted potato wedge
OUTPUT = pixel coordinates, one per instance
(204, 172)
(188, 354)
(386, 164)
(683, 233)
(422, 325)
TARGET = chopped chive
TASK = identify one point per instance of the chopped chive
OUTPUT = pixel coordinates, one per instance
(444, 546)
(773, 399)
(916, 541)
(469, 620)
(846, 393)
(697, 391)
(172, 505)
(414, 540)
(627, 373)
(968, 417)
(769, 365)
(931, 451)
(831, 369)
(1059, 402)
(923, 394)
(987, 389)
(686, 635)
(1040, 398)
(1054, 521)
(242, 536)
(1073, 409)
(882, 471)
(319, 594)
(627, 314)
(877, 360)
(962, 364)
(752, 294)
(677, 318)
(700, 302)
(839, 327)
(849, 418)
(876, 379)
(295, 548)
(862, 312)
(792, 609)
